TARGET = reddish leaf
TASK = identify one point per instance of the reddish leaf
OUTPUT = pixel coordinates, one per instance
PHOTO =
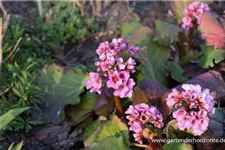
(140, 96)
(105, 103)
(154, 94)
(212, 31)
(211, 80)
(104, 98)
(192, 70)
(208, 135)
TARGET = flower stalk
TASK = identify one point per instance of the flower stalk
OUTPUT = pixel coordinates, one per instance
(119, 107)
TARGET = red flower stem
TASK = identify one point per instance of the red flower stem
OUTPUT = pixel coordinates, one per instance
(152, 145)
(118, 106)
(190, 38)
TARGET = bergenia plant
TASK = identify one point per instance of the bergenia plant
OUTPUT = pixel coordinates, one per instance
(140, 116)
(193, 14)
(115, 65)
(158, 110)
(192, 17)
(191, 108)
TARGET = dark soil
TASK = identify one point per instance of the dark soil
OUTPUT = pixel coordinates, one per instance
(30, 143)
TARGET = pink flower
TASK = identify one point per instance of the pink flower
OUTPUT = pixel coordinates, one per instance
(103, 48)
(120, 64)
(129, 94)
(136, 127)
(186, 94)
(200, 126)
(131, 65)
(198, 13)
(121, 91)
(192, 88)
(194, 96)
(173, 98)
(180, 125)
(192, 13)
(202, 113)
(179, 114)
(124, 76)
(146, 114)
(119, 44)
(193, 113)
(103, 66)
(114, 80)
(133, 49)
(196, 105)
(132, 111)
(141, 107)
(144, 118)
(110, 59)
(94, 83)
(130, 83)
(115, 71)
(158, 124)
(187, 20)
(187, 121)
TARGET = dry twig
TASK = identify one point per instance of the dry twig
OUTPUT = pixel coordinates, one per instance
(3, 28)
(15, 49)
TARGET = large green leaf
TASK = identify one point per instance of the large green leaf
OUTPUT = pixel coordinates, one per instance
(166, 32)
(153, 57)
(136, 34)
(79, 112)
(176, 71)
(153, 60)
(211, 56)
(110, 143)
(127, 29)
(113, 127)
(178, 7)
(10, 115)
(61, 88)
(88, 130)
(177, 146)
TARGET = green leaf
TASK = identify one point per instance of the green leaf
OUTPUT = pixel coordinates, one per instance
(210, 56)
(153, 58)
(177, 146)
(10, 115)
(78, 112)
(166, 32)
(178, 7)
(176, 71)
(90, 128)
(136, 35)
(129, 28)
(61, 88)
(113, 127)
(110, 143)
(17, 147)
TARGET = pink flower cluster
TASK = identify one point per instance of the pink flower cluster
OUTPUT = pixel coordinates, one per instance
(193, 13)
(113, 68)
(193, 105)
(139, 116)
